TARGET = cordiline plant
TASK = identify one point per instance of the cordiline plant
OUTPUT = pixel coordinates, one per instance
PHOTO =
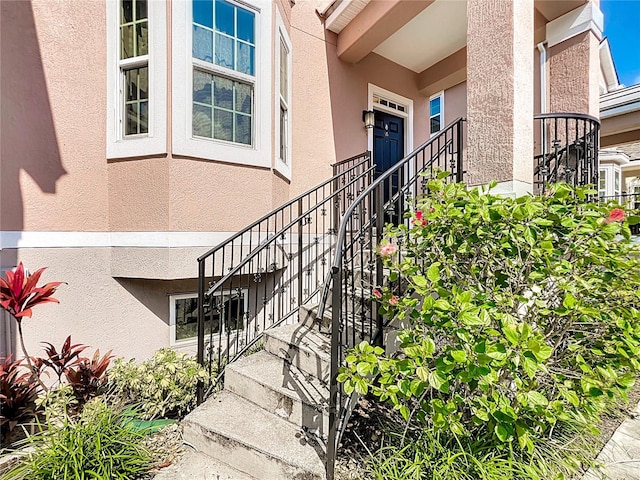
(19, 293)
(523, 313)
(17, 394)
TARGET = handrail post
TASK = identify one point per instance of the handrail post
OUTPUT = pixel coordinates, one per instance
(200, 354)
(460, 166)
(300, 244)
(379, 224)
(336, 303)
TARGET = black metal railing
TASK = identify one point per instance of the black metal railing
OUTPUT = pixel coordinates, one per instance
(630, 201)
(567, 150)
(356, 269)
(260, 277)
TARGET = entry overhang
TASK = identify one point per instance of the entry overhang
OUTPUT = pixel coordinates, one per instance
(374, 24)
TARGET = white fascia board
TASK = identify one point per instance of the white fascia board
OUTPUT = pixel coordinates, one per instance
(586, 18)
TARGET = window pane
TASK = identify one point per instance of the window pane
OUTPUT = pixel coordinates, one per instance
(202, 87)
(283, 134)
(222, 125)
(143, 83)
(203, 12)
(141, 9)
(202, 121)
(283, 70)
(126, 42)
(126, 11)
(144, 117)
(243, 129)
(223, 95)
(224, 17)
(243, 98)
(245, 25)
(435, 125)
(131, 122)
(142, 39)
(434, 106)
(245, 58)
(602, 181)
(131, 84)
(203, 44)
(224, 51)
(187, 319)
(233, 106)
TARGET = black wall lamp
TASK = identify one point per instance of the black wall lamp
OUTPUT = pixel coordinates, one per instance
(368, 117)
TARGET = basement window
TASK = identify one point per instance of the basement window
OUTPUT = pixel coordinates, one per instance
(228, 313)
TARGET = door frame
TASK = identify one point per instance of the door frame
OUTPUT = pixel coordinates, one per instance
(407, 115)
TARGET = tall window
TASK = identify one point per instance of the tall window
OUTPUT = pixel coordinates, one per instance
(284, 101)
(602, 183)
(223, 56)
(134, 66)
(436, 113)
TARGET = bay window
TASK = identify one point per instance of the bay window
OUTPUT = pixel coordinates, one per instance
(221, 79)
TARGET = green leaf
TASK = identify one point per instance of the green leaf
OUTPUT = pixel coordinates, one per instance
(569, 301)
(459, 356)
(433, 273)
(423, 373)
(363, 369)
(501, 432)
(437, 382)
(419, 281)
(510, 331)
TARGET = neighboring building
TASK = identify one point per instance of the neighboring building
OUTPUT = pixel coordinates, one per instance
(138, 134)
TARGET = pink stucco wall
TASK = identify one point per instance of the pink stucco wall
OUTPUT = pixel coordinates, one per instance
(53, 169)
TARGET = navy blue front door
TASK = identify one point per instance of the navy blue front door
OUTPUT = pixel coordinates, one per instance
(388, 149)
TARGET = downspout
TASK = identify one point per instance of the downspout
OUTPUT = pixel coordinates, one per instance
(543, 77)
(543, 92)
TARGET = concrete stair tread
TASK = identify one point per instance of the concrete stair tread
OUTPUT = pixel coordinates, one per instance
(304, 338)
(197, 465)
(272, 371)
(234, 420)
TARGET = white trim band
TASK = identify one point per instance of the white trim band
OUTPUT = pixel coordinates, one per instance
(14, 239)
(589, 17)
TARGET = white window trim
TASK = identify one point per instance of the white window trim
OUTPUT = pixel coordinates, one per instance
(155, 141)
(194, 341)
(407, 103)
(282, 35)
(183, 141)
(442, 124)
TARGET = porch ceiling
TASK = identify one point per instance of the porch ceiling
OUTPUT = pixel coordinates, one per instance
(416, 34)
(429, 37)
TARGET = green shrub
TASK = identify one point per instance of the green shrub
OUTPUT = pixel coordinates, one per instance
(164, 385)
(523, 314)
(100, 444)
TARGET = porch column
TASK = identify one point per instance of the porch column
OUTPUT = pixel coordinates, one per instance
(500, 78)
(573, 42)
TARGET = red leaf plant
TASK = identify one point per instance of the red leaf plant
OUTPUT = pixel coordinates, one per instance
(17, 393)
(88, 376)
(60, 362)
(19, 294)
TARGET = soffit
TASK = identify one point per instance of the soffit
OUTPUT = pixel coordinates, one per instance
(553, 9)
(432, 35)
(342, 12)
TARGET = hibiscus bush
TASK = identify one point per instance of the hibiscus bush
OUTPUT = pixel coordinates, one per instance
(523, 314)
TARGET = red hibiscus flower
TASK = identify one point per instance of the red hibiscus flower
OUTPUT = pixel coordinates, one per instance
(616, 215)
(377, 293)
(419, 220)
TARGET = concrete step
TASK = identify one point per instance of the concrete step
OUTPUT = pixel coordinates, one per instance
(282, 389)
(197, 465)
(253, 441)
(303, 347)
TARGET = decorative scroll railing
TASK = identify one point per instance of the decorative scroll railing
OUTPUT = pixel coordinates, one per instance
(567, 151)
(355, 271)
(260, 277)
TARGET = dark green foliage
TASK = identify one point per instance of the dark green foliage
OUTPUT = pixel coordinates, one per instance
(522, 315)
